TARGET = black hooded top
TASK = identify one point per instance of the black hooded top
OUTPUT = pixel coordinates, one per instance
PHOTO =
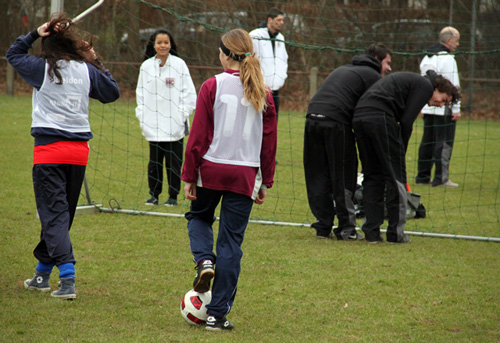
(400, 96)
(338, 95)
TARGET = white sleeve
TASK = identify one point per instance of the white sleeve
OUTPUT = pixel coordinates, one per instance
(450, 71)
(188, 93)
(256, 47)
(139, 96)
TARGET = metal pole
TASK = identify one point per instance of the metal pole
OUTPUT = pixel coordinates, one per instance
(88, 10)
(267, 222)
(56, 6)
(9, 80)
(472, 56)
(87, 190)
(313, 81)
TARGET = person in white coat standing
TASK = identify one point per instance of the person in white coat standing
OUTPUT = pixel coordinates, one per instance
(269, 47)
(166, 97)
(439, 123)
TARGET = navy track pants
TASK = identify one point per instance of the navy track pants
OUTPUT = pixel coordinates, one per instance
(57, 189)
(234, 214)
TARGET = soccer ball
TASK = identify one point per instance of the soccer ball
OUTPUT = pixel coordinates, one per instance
(193, 308)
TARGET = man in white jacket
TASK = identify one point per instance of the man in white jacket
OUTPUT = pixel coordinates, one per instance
(269, 48)
(439, 123)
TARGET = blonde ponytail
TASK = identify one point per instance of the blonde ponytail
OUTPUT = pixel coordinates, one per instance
(240, 44)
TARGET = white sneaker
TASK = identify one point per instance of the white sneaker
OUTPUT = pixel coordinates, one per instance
(448, 183)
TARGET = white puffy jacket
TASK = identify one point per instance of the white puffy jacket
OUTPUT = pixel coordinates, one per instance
(166, 97)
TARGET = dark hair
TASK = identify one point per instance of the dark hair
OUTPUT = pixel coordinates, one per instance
(65, 43)
(150, 47)
(274, 12)
(378, 51)
(444, 85)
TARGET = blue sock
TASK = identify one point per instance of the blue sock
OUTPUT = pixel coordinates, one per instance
(44, 267)
(66, 270)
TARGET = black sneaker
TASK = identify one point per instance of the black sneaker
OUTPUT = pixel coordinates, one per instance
(323, 236)
(39, 282)
(405, 239)
(66, 289)
(376, 240)
(215, 324)
(152, 201)
(171, 202)
(354, 236)
(205, 273)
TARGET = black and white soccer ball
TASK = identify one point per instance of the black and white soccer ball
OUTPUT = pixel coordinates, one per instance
(193, 307)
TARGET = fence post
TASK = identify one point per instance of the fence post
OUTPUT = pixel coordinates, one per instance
(9, 80)
(313, 82)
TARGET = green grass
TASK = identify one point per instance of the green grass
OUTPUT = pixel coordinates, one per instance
(132, 271)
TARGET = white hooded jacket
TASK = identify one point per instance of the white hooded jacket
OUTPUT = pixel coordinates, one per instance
(274, 66)
(166, 97)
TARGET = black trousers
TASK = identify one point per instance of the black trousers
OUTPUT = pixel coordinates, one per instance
(436, 148)
(57, 189)
(171, 153)
(330, 166)
(276, 98)
(382, 155)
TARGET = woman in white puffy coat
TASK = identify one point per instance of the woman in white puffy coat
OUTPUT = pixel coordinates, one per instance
(166, 97)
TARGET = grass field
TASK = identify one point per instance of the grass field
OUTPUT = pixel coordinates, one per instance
(132, 271)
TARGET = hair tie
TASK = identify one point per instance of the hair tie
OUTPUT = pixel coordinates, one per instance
(248, 53)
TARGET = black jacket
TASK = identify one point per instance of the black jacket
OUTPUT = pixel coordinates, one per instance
(338, 95)
(400, 96)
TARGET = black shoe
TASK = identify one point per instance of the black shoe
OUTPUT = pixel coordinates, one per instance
(39, 282)
(66, 290)
(152, 201)
(354, 236)
(405, 239)
(375, 240)
(419, 182)
(215, 324)
(323, 236)
(205, 273)
(171, 202)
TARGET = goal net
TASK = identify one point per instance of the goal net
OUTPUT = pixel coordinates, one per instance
(320, 36)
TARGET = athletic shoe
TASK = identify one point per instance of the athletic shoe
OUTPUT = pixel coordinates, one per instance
(329, 236)
(171, 202)
(39, 282)
(448, 183)
(354, 236)
(422, 182)
(152, 201)
(214, 324)
(205, 273)
(376, 240)
(66, 290)
(406, 239)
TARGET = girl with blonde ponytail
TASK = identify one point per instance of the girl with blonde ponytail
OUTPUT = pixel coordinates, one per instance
(230, 159)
